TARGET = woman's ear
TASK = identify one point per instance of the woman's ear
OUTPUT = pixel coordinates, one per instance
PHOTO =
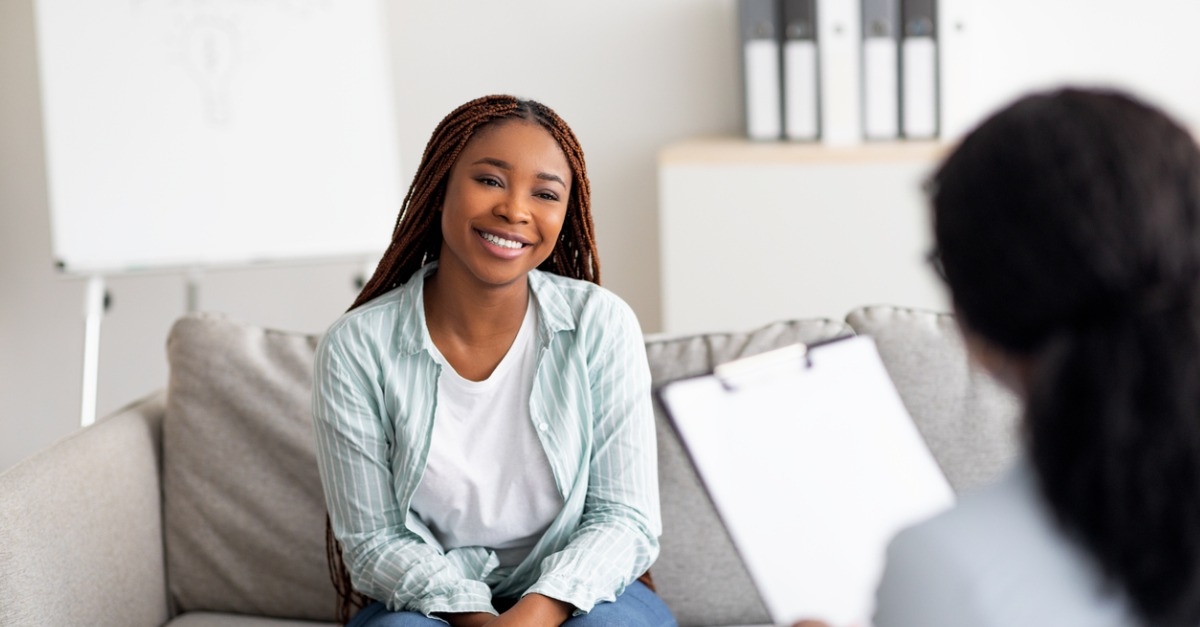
(1013, 371)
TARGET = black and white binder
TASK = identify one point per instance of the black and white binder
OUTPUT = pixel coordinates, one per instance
(919, 69)
(813, 464)
(760, 36)
(838, 30)
(801, 108)
(881, 69)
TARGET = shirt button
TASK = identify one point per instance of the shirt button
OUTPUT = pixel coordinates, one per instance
(543, 426)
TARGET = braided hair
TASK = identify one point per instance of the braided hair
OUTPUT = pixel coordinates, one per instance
(417, 239)
(1068, 227)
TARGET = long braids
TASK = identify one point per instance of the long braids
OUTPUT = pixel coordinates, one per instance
(417, 240)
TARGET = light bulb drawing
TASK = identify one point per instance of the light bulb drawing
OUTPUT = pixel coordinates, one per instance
(211, 54)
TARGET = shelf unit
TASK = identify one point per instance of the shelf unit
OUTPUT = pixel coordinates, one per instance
(753, 232)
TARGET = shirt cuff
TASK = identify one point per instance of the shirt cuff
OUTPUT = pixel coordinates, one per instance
(575, 592)
(463, 596)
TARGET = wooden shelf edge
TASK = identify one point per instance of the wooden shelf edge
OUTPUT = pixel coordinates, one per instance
(737, 150)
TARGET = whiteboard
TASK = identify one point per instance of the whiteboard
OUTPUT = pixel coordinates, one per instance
(183, 133)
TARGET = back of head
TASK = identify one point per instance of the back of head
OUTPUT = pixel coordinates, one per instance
(1068, 228)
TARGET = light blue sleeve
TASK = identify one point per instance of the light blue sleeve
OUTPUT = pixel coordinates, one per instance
(617, 539)
(923, 585)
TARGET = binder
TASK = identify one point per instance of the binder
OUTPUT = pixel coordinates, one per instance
(801, 108)
(919, 69)
(838, 31)
(813, 464)
(881, 69)
(760, 35)
(956, 68)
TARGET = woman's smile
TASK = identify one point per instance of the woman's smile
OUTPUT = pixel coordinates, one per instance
(505, 245)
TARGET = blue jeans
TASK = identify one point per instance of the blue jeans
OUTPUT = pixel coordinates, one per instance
(638, 606)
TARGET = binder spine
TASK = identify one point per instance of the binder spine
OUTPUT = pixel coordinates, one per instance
(838, 32)
(760, 37)
(919, 73)
(881, 69)
(801, 78)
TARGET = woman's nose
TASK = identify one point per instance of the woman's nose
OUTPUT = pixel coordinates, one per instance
(513, 207)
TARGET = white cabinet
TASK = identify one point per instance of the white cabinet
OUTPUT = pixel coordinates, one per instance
(757, 232)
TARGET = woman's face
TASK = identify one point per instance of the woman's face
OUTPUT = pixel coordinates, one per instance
(506, 199)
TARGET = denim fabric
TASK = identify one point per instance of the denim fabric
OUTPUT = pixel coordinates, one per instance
(636, 607)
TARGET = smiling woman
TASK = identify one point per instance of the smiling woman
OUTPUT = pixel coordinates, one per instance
(506, 199)
(483, 419)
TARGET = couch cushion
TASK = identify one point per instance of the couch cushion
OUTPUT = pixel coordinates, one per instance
(243, 511)
(210, 619)
(698, 572)
(968, 420)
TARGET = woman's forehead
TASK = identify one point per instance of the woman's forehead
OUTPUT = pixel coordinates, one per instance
(517, 138)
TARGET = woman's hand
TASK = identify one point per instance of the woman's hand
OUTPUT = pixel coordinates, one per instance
(467, 619)
(534, 610)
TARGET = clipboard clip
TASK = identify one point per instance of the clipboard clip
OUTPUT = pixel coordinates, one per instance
(738, 373)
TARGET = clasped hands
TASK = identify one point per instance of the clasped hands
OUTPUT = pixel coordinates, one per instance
(533, 610)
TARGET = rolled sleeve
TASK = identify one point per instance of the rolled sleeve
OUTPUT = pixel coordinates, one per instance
(617, 539)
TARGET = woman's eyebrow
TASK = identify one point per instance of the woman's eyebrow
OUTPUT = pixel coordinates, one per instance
(546, 176)
(504, 165)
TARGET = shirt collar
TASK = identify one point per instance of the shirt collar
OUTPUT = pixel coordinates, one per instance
(554, 309)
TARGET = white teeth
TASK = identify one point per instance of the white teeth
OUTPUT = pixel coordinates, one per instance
(500, 241)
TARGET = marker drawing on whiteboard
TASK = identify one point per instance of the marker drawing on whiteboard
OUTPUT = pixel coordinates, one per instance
(211, 54)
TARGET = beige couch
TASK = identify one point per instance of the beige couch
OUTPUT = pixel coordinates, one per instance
(200, 505)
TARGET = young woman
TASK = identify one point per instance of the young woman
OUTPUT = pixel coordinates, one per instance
(483, 413)
(1068, 233)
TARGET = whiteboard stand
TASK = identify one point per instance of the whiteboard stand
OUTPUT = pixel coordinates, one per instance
(94, 306)
(193, 289)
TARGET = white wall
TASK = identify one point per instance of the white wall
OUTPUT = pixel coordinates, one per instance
(629, 75)
(1149, 47)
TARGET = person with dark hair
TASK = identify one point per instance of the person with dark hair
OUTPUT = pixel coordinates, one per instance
(483, 414)
(1067, 229)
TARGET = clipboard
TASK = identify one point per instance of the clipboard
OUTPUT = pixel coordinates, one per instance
(812, 463)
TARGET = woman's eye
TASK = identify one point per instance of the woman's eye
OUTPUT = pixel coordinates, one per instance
(547, 195)
(487, 180)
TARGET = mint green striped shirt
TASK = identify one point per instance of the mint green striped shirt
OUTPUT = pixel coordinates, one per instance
(375, 390)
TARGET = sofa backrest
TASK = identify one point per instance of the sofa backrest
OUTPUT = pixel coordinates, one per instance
(968, 421)
(243, 509)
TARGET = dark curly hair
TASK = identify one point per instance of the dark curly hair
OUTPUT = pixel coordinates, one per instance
(1068, 230)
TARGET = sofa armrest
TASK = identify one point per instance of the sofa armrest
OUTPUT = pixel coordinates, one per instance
(81, 526)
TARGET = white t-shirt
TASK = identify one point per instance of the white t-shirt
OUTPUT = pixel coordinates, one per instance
(487, 480)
